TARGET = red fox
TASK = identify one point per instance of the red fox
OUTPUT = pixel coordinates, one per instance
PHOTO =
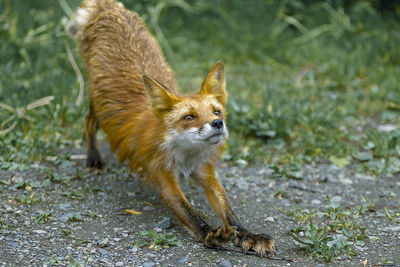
(134, 99)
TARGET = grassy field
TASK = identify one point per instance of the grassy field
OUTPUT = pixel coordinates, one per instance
(308, 83)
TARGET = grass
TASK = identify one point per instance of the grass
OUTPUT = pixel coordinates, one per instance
(308, 82)
(335, 233)
(43, 217)
(154, 240)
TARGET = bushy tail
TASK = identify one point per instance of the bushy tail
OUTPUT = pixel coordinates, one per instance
(88, 10)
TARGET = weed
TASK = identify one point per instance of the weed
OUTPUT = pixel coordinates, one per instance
(156, 240)
(74, 194)
(392, 217)
(279, 193)
(331, 238)
(43, 217)
(300, 215)
(72, 262)
(28, 199)
(387, 261)
(66, 232)
(76, 218)
(52, 261)
(367, 205)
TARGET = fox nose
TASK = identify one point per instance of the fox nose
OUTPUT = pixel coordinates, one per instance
(217, 123)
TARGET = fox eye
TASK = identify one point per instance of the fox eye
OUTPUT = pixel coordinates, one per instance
(189, 117)
(217, 112)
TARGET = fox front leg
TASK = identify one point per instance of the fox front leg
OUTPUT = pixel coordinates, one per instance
(217, 196)
(174, 199)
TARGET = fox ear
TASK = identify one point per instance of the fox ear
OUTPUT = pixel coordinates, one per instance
(160, 98)
(214, 84)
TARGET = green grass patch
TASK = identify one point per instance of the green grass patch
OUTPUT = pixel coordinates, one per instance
(337, 232)
(154, 240)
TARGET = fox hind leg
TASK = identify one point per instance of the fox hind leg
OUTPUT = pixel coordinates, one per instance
(93, 159)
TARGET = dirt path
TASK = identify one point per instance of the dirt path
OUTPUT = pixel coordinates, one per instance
(66, 215)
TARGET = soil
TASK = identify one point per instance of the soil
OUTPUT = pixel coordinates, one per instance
(89, 225)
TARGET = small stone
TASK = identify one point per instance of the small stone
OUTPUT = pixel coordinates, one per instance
(165, 223)
(119, 264)
(148, 264)
(14, 244)
(316, 202)
(346, 181)
(40, 232)
(242, 163)
(64, 207)
(148, 208)
(103, 252)
(225, 264)
(394, 228)
(269, 219)
(104, 243)
(183, 260)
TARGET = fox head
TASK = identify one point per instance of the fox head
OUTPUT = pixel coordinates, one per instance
(192, 120)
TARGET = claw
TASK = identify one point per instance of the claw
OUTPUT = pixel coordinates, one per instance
(260, 244)
(221, 234)
(258, 248)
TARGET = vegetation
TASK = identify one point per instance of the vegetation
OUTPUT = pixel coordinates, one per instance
(156, 240)
(309, 81)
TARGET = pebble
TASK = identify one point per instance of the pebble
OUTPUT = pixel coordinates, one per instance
(40, 232)
(148, 264)
(316, 202)
(14, 244)
(165, 223)
(183, 260)
(225, 264)
(346, 181)
(103, 252)
(64, 206)
(104, 243)
(269, 219)
(394, 228)
(119, 264)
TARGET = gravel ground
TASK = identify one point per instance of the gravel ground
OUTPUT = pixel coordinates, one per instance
(87, 224)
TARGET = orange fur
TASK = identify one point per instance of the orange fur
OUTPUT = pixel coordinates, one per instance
(134, 99)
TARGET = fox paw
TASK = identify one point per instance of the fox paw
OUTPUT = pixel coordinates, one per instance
(95, 163)
(259, 243)
(220, 235)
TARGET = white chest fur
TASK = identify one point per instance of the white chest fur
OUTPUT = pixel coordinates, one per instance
(186, 153)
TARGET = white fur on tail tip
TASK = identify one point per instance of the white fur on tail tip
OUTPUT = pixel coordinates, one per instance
(79, 21)
(82, 16)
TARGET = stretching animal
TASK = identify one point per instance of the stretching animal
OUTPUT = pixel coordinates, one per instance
(134, 99)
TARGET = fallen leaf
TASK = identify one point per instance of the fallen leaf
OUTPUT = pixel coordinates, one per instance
(133, 212)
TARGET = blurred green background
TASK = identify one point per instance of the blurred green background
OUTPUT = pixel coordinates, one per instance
(308, 81)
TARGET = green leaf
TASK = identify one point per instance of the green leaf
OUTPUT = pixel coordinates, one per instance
(339, 162)
(363, 156)
(339, 241)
